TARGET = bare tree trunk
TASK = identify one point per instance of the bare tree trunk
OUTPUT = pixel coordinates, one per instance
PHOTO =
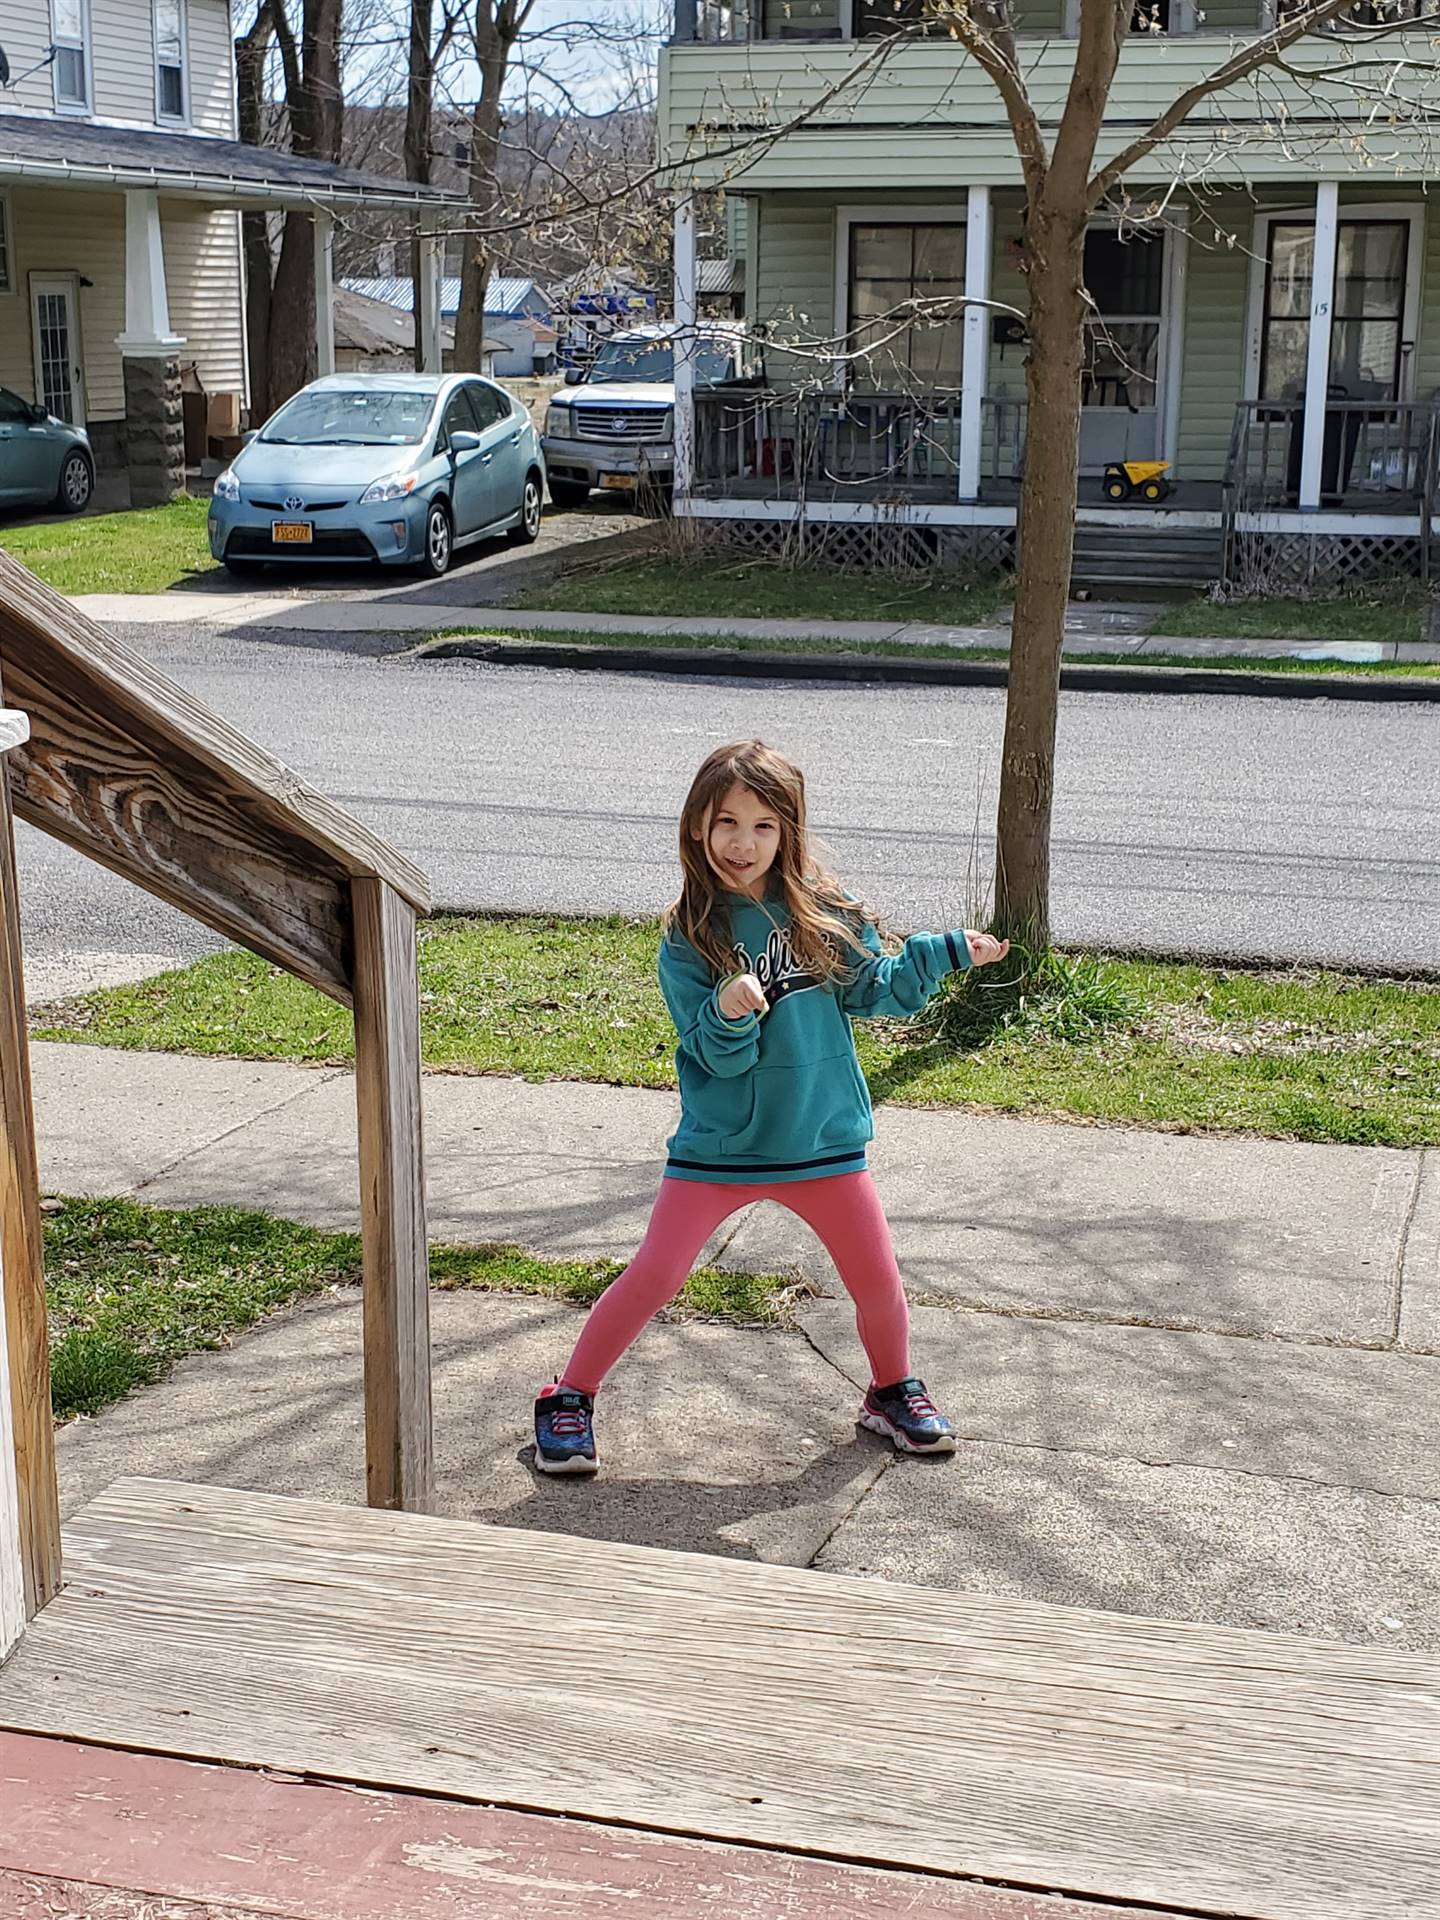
(1056, 247)
(250, 56)
(316, 110)
(492, 53)
(419, 107)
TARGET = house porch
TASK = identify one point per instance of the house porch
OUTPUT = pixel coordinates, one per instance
(890, 378)
(120, 260)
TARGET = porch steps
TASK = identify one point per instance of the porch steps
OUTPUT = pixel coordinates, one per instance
(1192, 1768)
(1150, 563)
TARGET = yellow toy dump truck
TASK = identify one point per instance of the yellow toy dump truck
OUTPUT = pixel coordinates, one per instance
(1124, 479)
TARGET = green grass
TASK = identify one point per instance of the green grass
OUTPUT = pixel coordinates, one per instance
(739, 590)
(133, 1289)
(147, 551)
(879, 650)
(1303, 1055)
(1381, 615)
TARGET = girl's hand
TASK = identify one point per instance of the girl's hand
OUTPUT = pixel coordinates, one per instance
(985, 949)
(742, 996)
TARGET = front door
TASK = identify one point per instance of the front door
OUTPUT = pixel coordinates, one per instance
(55, 330)
(1124, 344)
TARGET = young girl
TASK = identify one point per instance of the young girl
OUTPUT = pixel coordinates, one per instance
(765, 961)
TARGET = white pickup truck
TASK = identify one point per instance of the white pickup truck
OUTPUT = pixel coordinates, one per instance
(617, 430)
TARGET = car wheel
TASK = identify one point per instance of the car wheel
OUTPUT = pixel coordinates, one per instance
(528, 530)
(77, 483)
(438, 541)
(569, 493)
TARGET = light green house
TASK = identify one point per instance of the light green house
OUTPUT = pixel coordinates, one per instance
(870, 189)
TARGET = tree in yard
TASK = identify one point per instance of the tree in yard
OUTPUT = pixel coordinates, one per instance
(280, 300)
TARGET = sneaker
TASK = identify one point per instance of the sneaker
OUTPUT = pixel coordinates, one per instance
(906, 1414)
(564, 1432)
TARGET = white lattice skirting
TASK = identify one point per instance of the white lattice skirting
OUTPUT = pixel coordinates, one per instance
(1286, 562)
(867, 546)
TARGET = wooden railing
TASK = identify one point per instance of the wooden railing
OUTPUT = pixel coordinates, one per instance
(787, 446)
(1378, 455)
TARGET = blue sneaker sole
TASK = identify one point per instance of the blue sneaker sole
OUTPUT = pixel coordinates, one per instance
(877, 1423)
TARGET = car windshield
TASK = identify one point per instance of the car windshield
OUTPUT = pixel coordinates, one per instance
(351, 417)
(655, 360)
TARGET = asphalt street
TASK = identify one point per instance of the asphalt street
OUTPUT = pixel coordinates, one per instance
(1296, 830)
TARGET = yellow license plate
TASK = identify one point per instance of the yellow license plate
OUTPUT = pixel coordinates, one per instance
(291, 533)
(625, 480)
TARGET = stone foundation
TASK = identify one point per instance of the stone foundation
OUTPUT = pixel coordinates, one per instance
(154, 430)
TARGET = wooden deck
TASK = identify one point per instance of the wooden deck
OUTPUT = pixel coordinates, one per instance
(1203, 1769)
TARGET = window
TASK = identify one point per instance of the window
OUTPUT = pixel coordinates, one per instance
(459, 418)
(170, 101)
(14, 412)
(491, 406)
(70, 29)
(1125, 277)
(7, 271)
(906, 284)
(1369, 309)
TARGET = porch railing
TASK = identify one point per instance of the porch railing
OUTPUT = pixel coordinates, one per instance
(1378, 456)
(786, 446)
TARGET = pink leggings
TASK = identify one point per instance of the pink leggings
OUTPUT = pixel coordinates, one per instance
(844, 1211)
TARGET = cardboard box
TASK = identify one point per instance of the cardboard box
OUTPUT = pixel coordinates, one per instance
(224, 415)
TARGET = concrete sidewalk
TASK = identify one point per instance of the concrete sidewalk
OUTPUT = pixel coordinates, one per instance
(399, 610)
(1195, 1376)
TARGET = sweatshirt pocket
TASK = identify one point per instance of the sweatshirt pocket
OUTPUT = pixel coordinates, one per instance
(799, 1112)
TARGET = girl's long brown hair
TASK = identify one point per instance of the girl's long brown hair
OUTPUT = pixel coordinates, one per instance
(825, 921)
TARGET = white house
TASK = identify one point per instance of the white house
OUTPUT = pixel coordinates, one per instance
(121, 189)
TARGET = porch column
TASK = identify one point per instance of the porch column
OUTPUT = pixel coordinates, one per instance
(427, 320)
(154, 425)
(976, 362)
(323, 234)
(1317, 367)
(685, 275)
(1177, 282)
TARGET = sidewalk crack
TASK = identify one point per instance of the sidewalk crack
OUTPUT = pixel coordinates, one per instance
(868, 1484)
(1397, 1299)
(1198, 1466)
(323, 1077)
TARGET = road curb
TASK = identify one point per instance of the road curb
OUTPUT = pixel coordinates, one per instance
(916, 670)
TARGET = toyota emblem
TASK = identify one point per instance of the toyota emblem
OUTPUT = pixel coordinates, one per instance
(293, 503)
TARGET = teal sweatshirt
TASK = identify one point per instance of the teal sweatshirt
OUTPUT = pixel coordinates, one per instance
(780, 1096)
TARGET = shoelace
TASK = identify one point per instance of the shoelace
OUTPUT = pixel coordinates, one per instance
(922, 1406)
(568, 1423)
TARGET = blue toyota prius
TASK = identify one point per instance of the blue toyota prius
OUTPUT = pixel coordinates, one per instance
(401, 468)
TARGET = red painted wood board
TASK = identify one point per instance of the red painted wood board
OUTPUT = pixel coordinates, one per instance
(213, 1842)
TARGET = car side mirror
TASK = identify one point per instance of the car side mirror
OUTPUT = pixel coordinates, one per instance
(38, 414)
(463, 442)
(574, 376)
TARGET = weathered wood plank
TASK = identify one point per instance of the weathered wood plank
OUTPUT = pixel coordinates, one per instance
(150, 812)
(22, 1256)
(313, 1852)
(399, 1427)
(40, 630)
(1260, 1775)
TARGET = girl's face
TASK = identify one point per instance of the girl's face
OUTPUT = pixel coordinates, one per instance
(742, 840)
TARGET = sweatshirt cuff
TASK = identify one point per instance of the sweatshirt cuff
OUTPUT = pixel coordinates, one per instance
(732, 1029)
(958, 949)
